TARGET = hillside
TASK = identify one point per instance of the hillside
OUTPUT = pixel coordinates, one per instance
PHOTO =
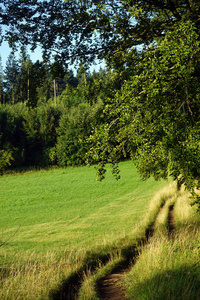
(58, 221)
(66, 235)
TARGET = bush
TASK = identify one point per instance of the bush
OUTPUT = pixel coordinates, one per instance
(6, 159)
(75, 127)
(40, 128)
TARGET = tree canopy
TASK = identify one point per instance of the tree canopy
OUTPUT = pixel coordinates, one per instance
(155, 115)
(74, 28)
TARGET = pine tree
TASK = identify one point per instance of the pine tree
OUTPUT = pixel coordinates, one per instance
(12, 79)
(25, 65)
(1, 82)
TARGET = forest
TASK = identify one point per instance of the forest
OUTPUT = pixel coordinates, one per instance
(144, 105)
(47, 114)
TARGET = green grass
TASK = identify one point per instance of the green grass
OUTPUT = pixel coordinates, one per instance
(57, 223)
(54, 222)
(70, 209)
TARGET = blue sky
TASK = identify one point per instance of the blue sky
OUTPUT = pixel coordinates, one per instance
(5, 51)
(36, 55)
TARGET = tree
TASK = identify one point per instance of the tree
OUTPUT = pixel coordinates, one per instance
(12, 79)
(75, 126)
(12, 137)
(25, 65)
(1, 83)
(41, 84)
(39, 126)
(155, 117)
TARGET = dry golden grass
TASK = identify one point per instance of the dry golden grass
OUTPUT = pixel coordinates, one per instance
(168, 268)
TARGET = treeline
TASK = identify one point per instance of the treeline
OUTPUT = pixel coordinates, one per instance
(23, 80)
(55, 131)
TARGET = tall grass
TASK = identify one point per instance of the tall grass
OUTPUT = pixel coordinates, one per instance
(169, 268)
(127, 248)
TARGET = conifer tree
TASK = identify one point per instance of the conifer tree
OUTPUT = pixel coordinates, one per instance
(12, 79)
(1, 82)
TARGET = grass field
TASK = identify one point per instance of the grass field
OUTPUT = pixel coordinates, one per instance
(57, 224)
(49, 220)
(69, 208)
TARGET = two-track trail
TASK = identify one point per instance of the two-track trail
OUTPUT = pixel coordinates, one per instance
(110, 287)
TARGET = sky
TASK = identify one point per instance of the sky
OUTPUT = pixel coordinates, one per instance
(36, 55)
(5, 51)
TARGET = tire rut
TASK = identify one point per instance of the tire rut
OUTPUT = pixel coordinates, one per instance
(110, 286)
(171, 221)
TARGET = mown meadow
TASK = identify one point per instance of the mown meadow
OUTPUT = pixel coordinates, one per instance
(62, 222)
(50, 220)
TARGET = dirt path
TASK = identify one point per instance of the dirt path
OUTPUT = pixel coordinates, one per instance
(171, 221)
(110, 287)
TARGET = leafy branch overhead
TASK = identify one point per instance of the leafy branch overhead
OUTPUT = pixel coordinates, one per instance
(68, 29)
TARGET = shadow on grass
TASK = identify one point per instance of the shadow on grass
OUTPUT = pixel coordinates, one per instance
(69, 288)
(183, 283)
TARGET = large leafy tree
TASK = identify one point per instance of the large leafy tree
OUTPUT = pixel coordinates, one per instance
(155, 116)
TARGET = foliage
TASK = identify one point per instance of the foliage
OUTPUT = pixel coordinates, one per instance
(30, 135)
(12, 79)
(40, 129)
(166, 96)
(5, 160)
(36, 135)
(74, 128)
(156, 113)
(71, 29)
(12, 137)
